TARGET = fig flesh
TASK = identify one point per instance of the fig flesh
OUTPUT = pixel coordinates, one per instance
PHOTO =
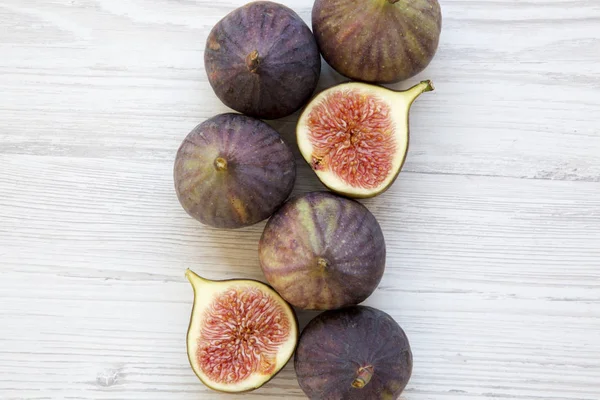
(355, 353)
(262, 60)
(355, 136)
(321, 251)
(233, 171)
(241, 333)
(377, 41)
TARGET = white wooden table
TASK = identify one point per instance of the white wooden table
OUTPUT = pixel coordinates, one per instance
(493, 228)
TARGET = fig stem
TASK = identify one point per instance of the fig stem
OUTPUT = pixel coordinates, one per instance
(322, 264)
(415, 91)
(393, 1)
(194, 278)
(220, 164)
(252, 61)
(363, 377)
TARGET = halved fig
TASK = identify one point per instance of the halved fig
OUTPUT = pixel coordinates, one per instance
(355, 136)
(241, 333)
(356, 353)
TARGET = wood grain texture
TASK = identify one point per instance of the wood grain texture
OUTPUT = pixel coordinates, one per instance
(493, 228)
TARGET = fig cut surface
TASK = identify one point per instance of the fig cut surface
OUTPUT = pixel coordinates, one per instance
(355, 136)
(241, 333)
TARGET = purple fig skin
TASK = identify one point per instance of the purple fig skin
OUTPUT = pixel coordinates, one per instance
(322, 251)
(339, 351)
(233, 171)
(262, 60)
(377, 41)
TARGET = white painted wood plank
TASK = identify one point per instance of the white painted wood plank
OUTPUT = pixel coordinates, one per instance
(496, 281)
(518, 83)
(493, 230)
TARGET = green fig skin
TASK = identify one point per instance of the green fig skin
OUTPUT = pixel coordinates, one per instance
(233, 171)
(356, 353)
(377, 41)
(321, 251)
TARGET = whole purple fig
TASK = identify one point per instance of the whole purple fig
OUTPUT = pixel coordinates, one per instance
(322, 251)
(262, 60)
(233, 171)
(355, 353)
(377, 41)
